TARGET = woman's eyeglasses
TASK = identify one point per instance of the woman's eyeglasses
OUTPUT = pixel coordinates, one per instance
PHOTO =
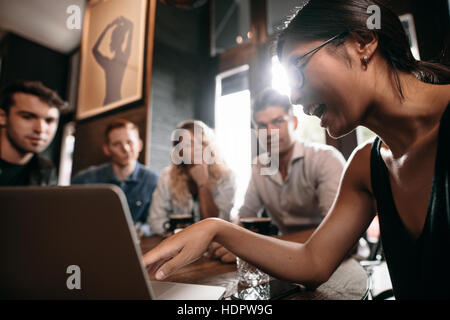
(296, 76)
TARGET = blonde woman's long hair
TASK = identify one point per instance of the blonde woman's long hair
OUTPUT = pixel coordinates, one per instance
(217, 171)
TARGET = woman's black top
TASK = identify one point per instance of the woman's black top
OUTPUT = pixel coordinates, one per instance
(419, 267)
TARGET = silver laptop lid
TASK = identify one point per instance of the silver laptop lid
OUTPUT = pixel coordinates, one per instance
(73, 242)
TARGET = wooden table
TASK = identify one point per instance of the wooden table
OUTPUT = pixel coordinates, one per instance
(348, 282)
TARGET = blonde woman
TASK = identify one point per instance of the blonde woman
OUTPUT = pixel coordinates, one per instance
(197, 182)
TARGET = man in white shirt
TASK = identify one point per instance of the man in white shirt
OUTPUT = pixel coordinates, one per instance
(299, 194)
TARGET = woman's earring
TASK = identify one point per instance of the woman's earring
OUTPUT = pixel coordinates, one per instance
(365, 62)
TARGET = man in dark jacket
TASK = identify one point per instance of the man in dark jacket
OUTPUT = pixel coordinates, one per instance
(29, 114)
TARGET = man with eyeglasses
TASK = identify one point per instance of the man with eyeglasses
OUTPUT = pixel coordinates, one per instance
(299, 194)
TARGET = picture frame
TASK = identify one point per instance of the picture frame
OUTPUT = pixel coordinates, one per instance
(112, 56)
(407, 21)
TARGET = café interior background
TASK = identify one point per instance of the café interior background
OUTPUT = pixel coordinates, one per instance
(205, 62)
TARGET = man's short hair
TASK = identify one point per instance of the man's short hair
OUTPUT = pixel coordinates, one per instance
(270, 97)
(119, 123)
(35, 88)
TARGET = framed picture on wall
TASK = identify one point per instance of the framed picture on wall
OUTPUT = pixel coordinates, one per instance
(407, 21)
(112, 56)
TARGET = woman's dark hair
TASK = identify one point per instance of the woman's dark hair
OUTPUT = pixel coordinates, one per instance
(270, 97)
(323, 19)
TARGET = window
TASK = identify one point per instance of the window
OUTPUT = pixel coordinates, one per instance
(407, 21)
(232, 127)
(309, 128)
(66, 154)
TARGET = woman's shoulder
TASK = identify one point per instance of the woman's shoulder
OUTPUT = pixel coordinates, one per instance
(361, 154)
(358, 165)
(227, 177)
(164, 176)
(166, 171)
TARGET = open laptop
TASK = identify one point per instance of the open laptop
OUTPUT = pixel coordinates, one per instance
(77, 242)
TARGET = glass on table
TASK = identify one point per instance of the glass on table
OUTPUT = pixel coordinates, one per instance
(249, 275)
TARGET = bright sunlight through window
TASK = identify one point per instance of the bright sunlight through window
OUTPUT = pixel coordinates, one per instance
(234, 139)
(309, 128)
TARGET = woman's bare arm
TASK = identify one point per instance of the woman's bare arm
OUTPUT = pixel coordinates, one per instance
(311, 263)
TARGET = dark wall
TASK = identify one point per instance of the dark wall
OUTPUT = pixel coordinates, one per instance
(180, 89)
(26, 60)
(185, 31)
(23, 59)
(174, 84)
(183, 77)
(432, 23)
